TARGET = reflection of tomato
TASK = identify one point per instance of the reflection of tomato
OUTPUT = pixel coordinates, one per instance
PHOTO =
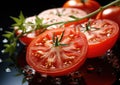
(46, 58)
(98, 72)
(86, 5)
(101, 35)
(51, 16)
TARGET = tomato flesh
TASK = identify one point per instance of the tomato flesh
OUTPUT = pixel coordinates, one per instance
(52, 60)
(101, 35)
(49, 16)
(111, 13)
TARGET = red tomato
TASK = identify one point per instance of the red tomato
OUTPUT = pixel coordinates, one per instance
(101, 35)
(46, 58)
(112, 13)
(86, 5)
(51, 16)
(26, 39)
(98, 72)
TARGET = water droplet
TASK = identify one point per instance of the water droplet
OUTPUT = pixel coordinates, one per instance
(2, 51)
(1, 29)
(44, 75)
(18, 44)
(0, 60)
(5, 41)
(90, 68)
(8, 70)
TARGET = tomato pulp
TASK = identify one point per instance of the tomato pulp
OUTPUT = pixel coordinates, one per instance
(49, 16)
(112, 13)
(101, 35)
(45, 57)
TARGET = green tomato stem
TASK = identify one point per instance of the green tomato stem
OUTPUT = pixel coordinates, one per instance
(87, 16)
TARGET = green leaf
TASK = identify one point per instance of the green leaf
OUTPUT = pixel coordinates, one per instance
(21, 16)
(88, 27)
(18, 74)
(8, 60)
(38, 23)
(57, 40)
(19, 21)
(8, 35)
(24, 80)
(10, 48)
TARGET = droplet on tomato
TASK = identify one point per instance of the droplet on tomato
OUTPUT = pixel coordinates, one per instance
(90, 68)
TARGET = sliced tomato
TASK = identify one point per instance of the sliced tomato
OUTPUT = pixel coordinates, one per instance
(50, 16)
(60, 15)
(101, 35)
(46, 58)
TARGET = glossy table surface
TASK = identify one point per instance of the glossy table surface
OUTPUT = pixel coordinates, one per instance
(7, 75)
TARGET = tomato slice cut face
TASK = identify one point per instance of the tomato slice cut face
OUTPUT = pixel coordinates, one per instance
(101, 35)
(57, 52)
(48, 16)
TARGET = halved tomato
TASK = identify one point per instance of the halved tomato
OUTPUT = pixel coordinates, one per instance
(101, 35)
(50, 16)
(52, 55)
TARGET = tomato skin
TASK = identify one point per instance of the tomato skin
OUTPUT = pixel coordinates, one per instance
(86, 5)
(112, 13)
(26, 39)
(49, 16)
(99, 49)
(63, 70)
(101, 36)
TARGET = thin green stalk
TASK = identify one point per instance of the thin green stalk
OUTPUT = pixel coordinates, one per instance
(87, 16)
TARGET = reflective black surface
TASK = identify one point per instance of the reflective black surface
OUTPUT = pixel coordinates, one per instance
(13, 8)
(29, 8)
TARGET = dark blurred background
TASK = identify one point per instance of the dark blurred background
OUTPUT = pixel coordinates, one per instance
(28, 7)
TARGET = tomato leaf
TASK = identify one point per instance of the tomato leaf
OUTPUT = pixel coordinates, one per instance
(57, 40)
(9, 35)
(24, 80)
(19, 21)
